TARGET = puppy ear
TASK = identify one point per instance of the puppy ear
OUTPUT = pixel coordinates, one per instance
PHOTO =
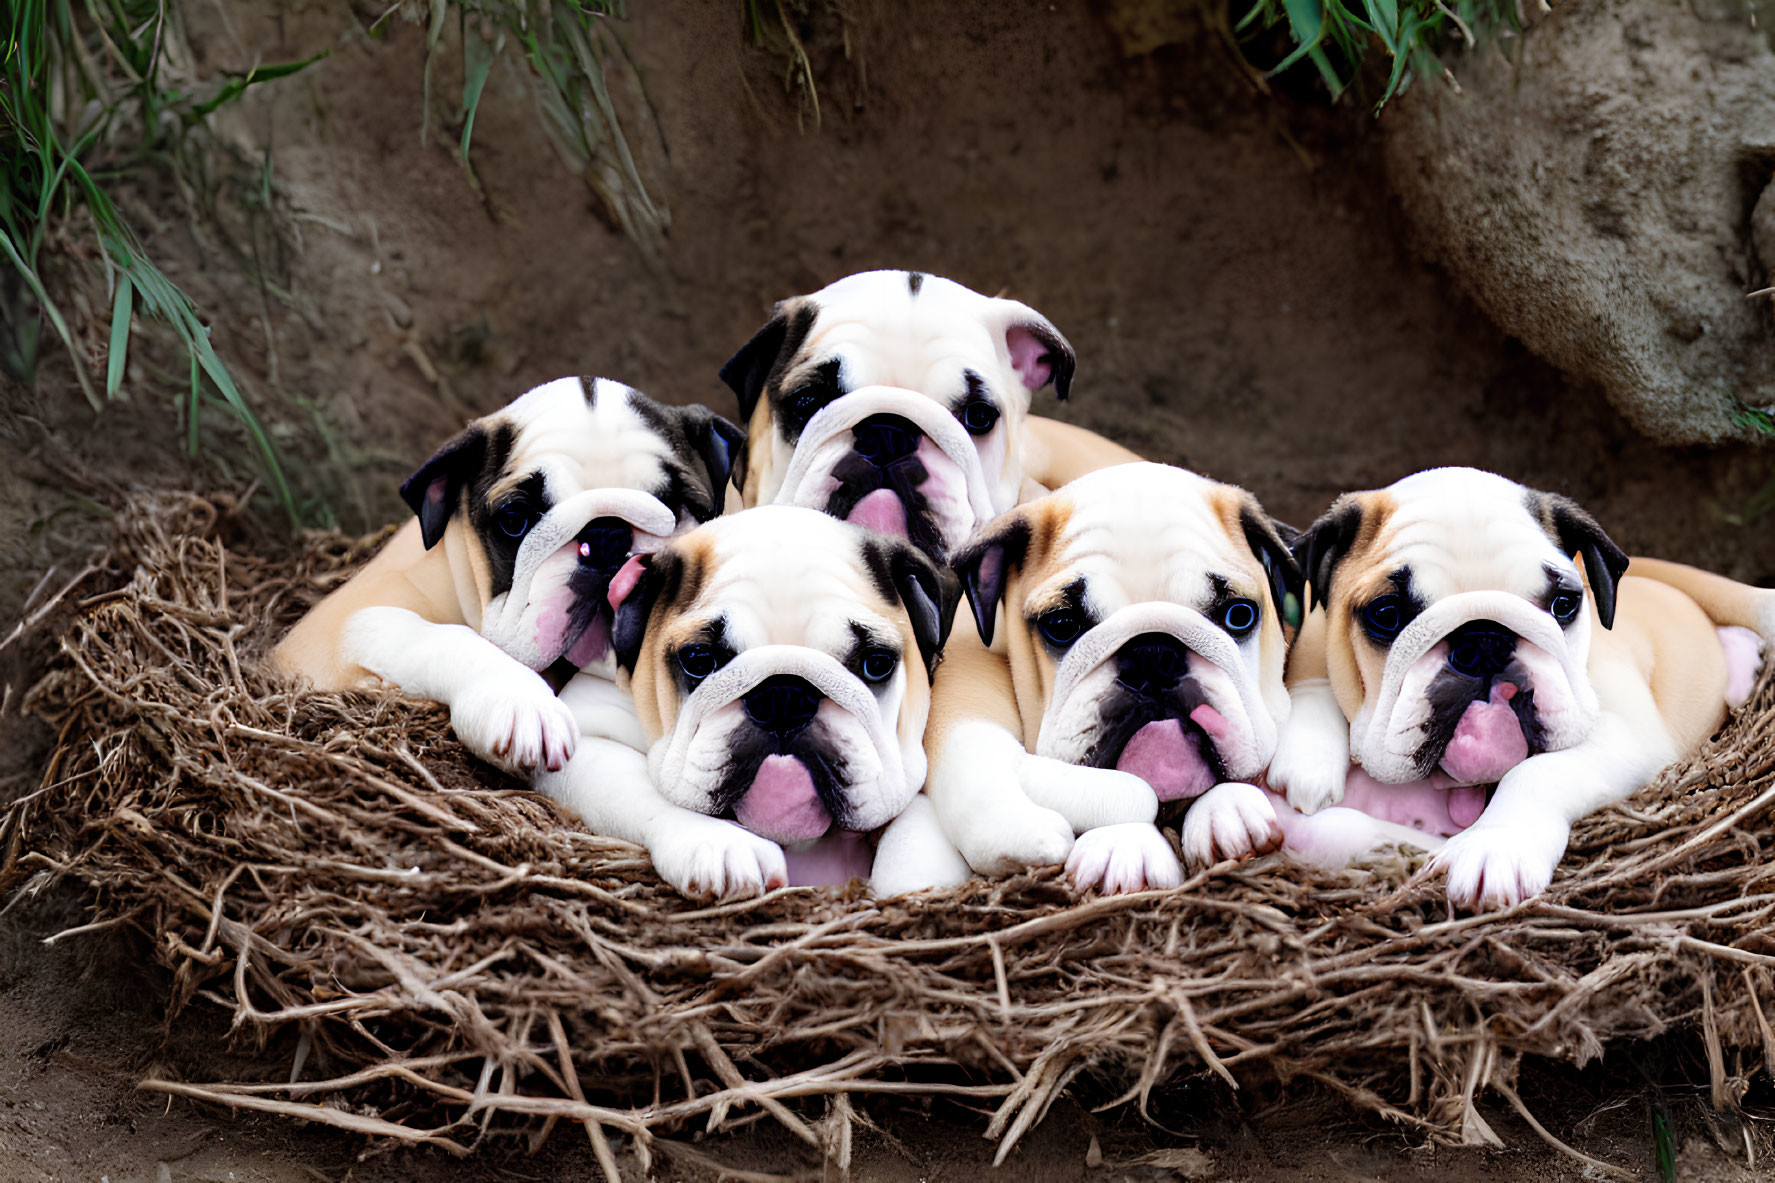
(1324, 544)
(719, 443)
(1577, 533)
(1039, 353)
(748, 372)
(930, 595)
(1269, 543)
(435, 490)
(632, 593)
(985, 565)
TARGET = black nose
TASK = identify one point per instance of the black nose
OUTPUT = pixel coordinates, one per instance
(883, 439)
(783, 706)
(1481, 649)
(604, 544)
(1151, 664)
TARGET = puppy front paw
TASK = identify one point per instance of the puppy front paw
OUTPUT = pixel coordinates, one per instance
(1132, 856)
(712, 858)
(515, 723)
(1493, 867)
(1017, 840)
(1310, 775)
(1229, 821)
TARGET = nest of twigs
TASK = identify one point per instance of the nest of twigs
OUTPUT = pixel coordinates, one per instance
(448, 956)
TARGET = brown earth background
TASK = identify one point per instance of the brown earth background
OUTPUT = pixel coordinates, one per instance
(1245, 295)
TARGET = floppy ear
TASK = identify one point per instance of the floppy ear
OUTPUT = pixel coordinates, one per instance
(1324, 544)
(1039, 353)
(930, 595)
(749, 371)
(1270, 545)
(1577, 533)
(435, 490)
(719, 443)
(632, 593)
(985, 565)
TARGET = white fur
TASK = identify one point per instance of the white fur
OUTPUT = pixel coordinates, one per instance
(1312, 748)
(913, 854)
(1229, 821)
(1123, 858)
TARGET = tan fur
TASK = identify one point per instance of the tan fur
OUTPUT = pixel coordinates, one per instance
(1725, 601)
(402, 575)
(1334, 651)
(1055, 453)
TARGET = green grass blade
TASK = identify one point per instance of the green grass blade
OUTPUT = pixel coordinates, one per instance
(237, 86)
(121, 307)
(29, 275)
(478, 63)
(1306, 20)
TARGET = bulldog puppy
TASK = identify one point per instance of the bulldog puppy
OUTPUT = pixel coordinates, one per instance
(780, 664)
(1131, 631)
(1463, 687)
(520, 522)
(900, 401)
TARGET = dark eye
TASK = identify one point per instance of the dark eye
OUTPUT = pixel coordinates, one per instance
(879, 664)
(1062, 626)
(514, 518)
(1383, 617)
(1565, 607)
(978, 416)
(698, 662)
(1238, 617)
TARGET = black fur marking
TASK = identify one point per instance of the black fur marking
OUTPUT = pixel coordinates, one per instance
(761, 362)
(501, 548)
(1324, 544)
(816, 390)
(1270, 546)
(588, 386)
(1575, 532)
(1057, 352)
(1124, 711)
(1072, 597)
(914, 281)
(752, 744)
(929, 593)
(460, 462)
(662, 575)
(1451, 693)
(701, 448)
(857, 478)
(985, 567)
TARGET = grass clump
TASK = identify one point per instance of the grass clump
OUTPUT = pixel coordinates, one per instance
(85, 96)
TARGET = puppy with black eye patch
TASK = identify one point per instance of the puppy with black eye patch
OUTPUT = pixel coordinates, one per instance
(900, 401)
(779, 662)
(498, 586)
(1126, 656)
(1480, 671)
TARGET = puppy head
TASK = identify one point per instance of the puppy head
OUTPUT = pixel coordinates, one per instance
(540, 503)
(1144, 612)
(1458, 623)
(780, 662)
(895, 400)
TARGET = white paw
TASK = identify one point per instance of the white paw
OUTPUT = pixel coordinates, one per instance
(1015, 841)
(1492, 867)
(1132, 856)
(516, 723)
(1311, 775)
(710, 857)
(1230, 820)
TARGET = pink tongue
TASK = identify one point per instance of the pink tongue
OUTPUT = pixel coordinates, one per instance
(1162, 756)
(880, 510)
(1488, 742)
(832, 861)
(592, 645)
(781, 804)
(1465, 804)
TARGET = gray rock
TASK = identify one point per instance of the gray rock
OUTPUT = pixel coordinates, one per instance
(1601, 186)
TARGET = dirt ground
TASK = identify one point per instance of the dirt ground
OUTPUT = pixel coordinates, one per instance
(1242, 292)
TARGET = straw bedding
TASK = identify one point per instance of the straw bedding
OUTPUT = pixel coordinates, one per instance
(455, 960)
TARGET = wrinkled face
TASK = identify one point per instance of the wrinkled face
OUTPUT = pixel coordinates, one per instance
(539, 505)
(1142, 614)
(1458, 624)
(894, 400)
(780, 662)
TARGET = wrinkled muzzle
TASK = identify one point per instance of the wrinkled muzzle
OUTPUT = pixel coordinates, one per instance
(1473, 686)
(792, 743)
(896, 461)
(1159, 691)
(556, 607)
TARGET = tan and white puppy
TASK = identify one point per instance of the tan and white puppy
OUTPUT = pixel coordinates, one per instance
(900, 401)
(780, 664)
(1464, 687)
(520, 522)
(1136, 624)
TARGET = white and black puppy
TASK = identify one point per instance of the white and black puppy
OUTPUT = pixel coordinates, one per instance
(1463, 686)
(520, 522)
(779, 662)
(1130, 638)
(900, 401)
